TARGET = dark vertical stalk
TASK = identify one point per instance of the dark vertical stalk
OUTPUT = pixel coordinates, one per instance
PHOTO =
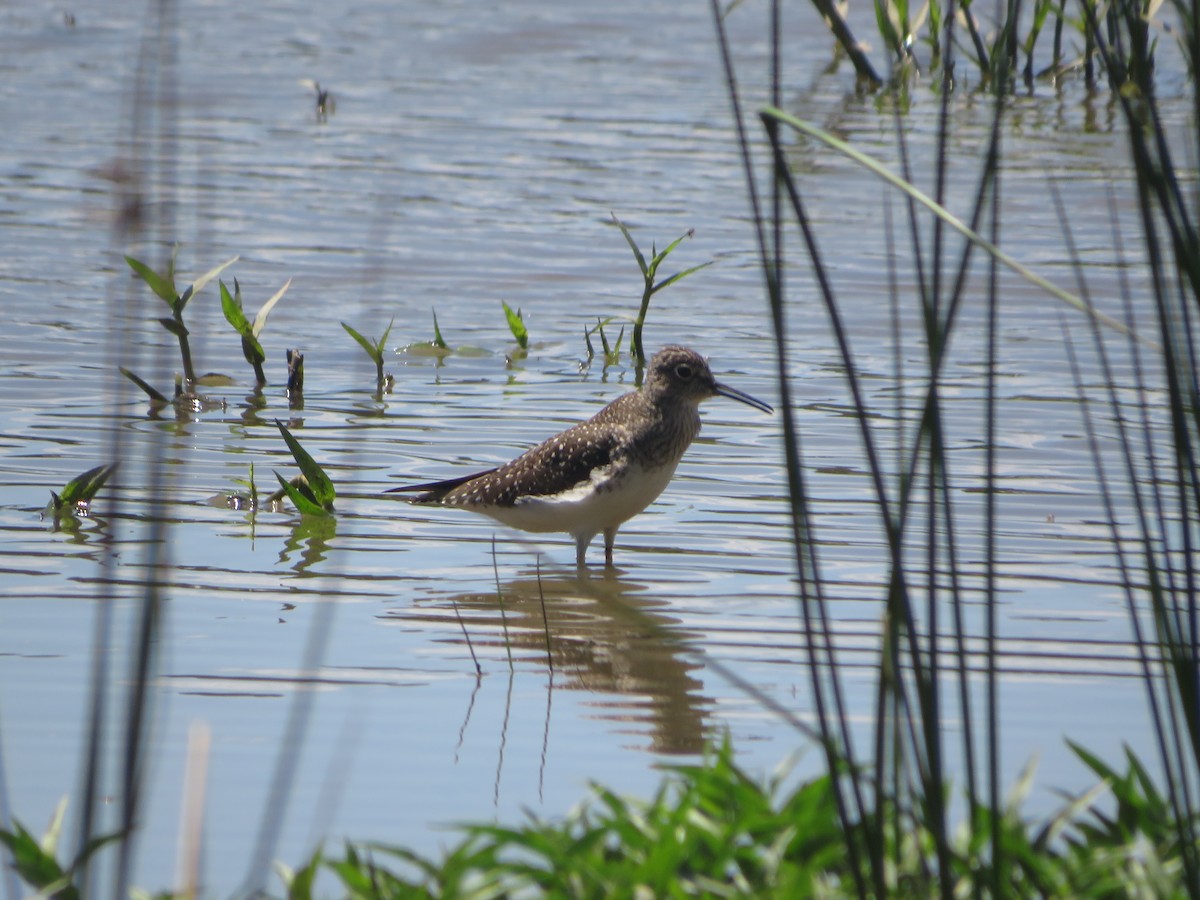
(839, 754)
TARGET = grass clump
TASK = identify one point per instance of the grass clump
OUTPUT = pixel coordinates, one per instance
(611, 353)
(711, 830)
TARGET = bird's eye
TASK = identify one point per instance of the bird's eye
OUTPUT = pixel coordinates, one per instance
(684, 371)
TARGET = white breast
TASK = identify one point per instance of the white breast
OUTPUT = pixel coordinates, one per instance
(604, 501)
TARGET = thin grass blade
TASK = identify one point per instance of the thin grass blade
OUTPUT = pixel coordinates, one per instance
(372, 350)
(383, 340)
(948, 218)
(637, 253)
(146, 388)
(678, 275)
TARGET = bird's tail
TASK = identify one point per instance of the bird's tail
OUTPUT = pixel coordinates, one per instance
(435, 491)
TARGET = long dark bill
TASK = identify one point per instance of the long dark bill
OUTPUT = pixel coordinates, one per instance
(734, 394)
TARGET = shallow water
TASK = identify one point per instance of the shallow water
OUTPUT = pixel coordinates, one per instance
(475, 155)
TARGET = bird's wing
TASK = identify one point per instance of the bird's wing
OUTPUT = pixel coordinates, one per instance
(552, 467)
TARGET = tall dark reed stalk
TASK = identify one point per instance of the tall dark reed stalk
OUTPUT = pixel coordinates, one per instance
(153, 125)
(919, 515)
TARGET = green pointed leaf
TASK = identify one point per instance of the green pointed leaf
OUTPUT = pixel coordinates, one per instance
(163, 286)
(322, 488)
(678, 275)
(33, 862)
(438, 340)
(383, 340)
(231, 306)
(149, 391)
(303, 503)
(516, 325)
(372, 352)
(659, 257)
(637, 254)
(260, 321)
(82, 488)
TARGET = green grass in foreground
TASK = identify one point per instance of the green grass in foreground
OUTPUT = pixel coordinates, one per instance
(713, 831)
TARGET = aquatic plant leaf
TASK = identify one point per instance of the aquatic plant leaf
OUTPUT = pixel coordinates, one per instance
(231, 306)
(372, 350)
(684, 274)
(304, 503)
(82, 488)
(383, 340)
(659, 257)
(299, 882)
(149, 391)
(164, 287)
(210, 275)
(35, 864)
(260, 320)
(516, 325)
(641, 260)
(438, 340)
(319, 483)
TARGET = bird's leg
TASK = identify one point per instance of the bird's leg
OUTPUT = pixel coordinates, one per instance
(610, 536)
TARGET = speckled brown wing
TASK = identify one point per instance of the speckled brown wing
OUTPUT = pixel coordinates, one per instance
(552, 467)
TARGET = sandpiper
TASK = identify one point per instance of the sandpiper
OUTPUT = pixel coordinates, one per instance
(600, 473)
